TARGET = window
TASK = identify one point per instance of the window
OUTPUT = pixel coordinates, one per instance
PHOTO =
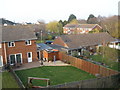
(15, 58)
(1, 62)
(12, 59)
(0, 45)
(28, 42)
(29, 54)
(11, 44)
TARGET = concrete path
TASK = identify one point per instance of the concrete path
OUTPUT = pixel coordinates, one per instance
(38, 64)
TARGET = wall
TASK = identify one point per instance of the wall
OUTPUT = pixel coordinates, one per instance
(50, 55)
(21, 47)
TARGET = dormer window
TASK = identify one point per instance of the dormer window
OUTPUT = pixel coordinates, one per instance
(11, 44)
(28, 42)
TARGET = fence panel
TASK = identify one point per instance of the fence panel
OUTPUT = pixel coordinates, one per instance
(17, 78)
(87, 66)
(104, 82)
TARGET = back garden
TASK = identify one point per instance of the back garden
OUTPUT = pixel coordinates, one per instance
(105, 56)
(56, 74)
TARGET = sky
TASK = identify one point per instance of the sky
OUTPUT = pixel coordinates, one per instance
(50, 10)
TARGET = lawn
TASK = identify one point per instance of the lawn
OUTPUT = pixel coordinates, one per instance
(56, 74)
(99, 58)
(8, 80)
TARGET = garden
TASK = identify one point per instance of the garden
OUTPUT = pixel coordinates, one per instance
(105, 56)
(8, 80)
(56, 74)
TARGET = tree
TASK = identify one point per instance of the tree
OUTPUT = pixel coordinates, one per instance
(65, 22)
(90, 17)
(82, 21)
(74, 21)
(55, 27)
(52, 26)
(93, 21)
(94, 31)
(71, 17)
(111, 25)
(60, 28)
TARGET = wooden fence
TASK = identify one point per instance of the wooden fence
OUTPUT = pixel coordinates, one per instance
(86, 66)
(16, 78)
(104, 82)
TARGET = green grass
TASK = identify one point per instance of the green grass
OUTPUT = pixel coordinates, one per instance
(39, 41)
(8, 80)
(98, 58)
(112, 64)
(56, 74)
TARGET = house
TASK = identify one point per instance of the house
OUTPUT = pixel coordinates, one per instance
(18, 45)
(81, 28)
(47, 53)
(5, 22)
(115, 44)
(79, 42)
(39, 29)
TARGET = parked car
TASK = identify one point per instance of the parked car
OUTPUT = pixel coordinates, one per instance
(49, 42)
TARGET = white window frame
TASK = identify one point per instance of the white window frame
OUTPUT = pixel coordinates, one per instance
(1, 60)
(12, 44)
(15, 57)
(30, 54)
(28, 42)
(0, 45)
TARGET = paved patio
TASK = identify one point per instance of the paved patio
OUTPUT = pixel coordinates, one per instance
(38, 64)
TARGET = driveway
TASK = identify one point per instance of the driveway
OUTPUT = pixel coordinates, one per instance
(38, 64)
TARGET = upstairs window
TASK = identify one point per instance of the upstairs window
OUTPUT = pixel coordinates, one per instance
(11, 44)
(28, 42)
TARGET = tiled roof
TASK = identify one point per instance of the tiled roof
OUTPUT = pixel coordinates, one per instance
(71, 25)
(81, 40)
(16, 33)
(81, 25)
(86, 25)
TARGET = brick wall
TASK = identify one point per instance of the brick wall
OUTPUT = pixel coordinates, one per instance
(21, 47)
(50, 55)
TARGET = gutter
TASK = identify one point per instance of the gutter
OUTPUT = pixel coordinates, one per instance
(21, 40)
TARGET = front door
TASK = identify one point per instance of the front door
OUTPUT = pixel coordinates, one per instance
(29, 55)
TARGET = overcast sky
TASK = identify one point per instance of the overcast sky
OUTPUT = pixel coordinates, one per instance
(49, 10)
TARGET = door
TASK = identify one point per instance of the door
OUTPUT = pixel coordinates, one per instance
(12, 59)
(1, 62)
(29, 55)
(18, 58)
(38, 55)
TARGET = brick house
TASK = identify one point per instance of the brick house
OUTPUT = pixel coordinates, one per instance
(79, 42)
(80, 28)
(18, 45)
